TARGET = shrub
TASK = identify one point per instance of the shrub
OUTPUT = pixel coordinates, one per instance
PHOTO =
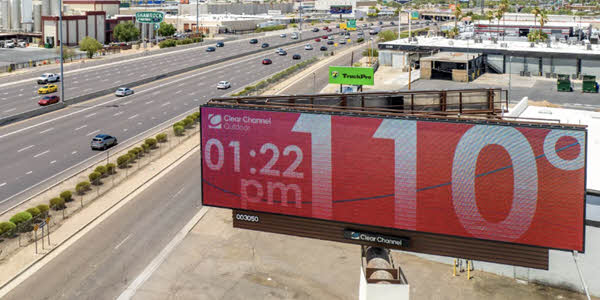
(360, 40)
(83, 187)
(57, 203)
(178, 130)
(187, 123)
(21, 217)
(43, 209)
(271, 28)
(34, 211)
(67, 195)
(180, 123)
(368, 52)
(7, 227)
(95, 178)
(161, 137)
(133, 154)
(110, 168)
(101, 170)
(145, 147)
(167, 43)
(123, 161)
(139, 151)
(151, 142)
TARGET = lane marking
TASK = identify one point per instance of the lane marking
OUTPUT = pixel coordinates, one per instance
(40, 154)
(165, 104)
(81, 127)
(122, 242)
(119, 113)
(74, 152)
(49, 129)
(178, 192)
(95, 131)
(28, 172)
(125, 103)
(23, 149)
(161, 257)
(9, 110)
(52, 161)
(149, 102)
(90, 115)
(132, 117)
(2, 184)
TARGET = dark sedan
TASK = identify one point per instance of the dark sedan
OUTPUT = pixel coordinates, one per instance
(264, 45)
(211, 49)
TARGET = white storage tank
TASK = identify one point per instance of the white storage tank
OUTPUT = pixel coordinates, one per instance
(4, 9)
(45, 7)
(54, 4)
(37, 18)
(15, 14)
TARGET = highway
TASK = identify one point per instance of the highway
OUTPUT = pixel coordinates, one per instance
(104, 261)
(34, 150)
(21, 95)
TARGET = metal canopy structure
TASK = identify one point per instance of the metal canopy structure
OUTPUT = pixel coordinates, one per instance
(487, 103)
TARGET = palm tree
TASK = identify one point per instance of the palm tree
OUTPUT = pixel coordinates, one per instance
(489, 15)
(543, 20)
(502, 9)
(536, 12)
(457, 15)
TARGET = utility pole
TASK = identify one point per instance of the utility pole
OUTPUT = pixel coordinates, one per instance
(197, 16)
(300, 31)
(60, 37)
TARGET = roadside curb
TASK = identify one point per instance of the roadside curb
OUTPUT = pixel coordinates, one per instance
(11, 283)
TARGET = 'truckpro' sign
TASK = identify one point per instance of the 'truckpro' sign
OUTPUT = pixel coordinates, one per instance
(375, 238)
(351, 75)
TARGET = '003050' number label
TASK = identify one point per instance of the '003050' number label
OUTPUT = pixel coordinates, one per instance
(247, 218)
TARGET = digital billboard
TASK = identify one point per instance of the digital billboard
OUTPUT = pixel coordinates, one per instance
(340, 9)
(503, 182)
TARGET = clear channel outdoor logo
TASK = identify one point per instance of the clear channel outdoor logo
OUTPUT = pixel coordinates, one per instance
(335, 74)
(215, 121)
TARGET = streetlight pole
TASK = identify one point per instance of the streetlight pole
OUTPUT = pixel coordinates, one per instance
(60, 38)
(197, 16)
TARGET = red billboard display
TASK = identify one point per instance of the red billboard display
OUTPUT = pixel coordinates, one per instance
(503, 182)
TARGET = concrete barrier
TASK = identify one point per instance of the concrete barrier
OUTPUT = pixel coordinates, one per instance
(31, 113)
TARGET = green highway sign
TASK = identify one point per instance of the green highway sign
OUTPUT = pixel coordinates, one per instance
(351, 23)
(149, 17)
(351, 75)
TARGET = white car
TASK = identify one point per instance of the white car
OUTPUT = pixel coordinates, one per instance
(123, 91)
(282, 35)
(278, 50)
(294, 36)
(308, 47)
(48, 77)
(223, 85)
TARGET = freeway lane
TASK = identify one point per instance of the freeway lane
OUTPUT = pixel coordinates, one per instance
(103, 262)
(36, 149)
(20, 97)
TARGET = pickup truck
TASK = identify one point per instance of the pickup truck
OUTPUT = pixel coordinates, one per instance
(48, 77)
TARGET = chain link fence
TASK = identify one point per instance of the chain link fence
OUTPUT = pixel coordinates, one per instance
(71, 195)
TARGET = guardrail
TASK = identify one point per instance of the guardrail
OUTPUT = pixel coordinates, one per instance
(84, 187)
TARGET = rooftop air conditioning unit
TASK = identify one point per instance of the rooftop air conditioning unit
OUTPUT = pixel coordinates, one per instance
(532, 45)
(549, 44)
(504, 45)
(588, 47)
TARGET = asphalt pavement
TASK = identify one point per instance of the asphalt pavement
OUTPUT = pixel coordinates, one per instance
(104, 261)
(21, 95)
(37, 149)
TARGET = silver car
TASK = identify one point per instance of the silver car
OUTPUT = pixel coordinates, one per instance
(103, 141)
(123, 91)
(223, 85)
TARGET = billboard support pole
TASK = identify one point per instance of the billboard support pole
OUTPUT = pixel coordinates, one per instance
(585, 288)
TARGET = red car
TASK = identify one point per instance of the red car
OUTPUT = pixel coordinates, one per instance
(329, 30)
(324, 37)
(48, 100)
(325, 28)
(266, 61)
(317, 40)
